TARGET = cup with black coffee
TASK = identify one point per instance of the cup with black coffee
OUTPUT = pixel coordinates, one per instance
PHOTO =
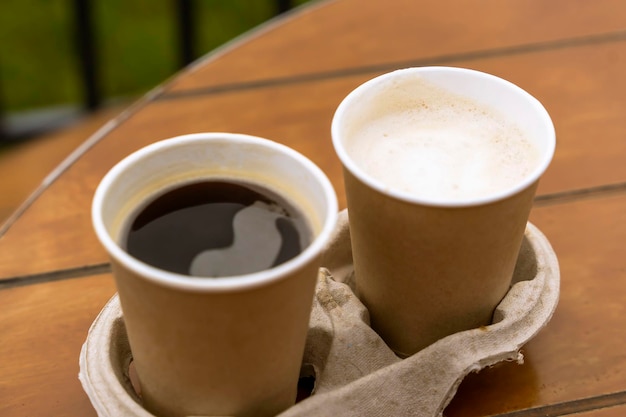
(215, 241)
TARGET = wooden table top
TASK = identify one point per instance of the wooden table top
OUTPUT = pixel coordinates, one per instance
(284, 81)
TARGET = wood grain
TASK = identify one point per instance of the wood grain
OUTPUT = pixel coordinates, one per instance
(343, 35)
(619, 411)
(43, 328)
(24, 166)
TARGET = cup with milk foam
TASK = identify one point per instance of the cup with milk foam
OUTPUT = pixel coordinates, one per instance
(440, 168)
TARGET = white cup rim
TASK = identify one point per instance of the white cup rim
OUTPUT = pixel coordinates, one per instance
(379, 186)
(205, 284)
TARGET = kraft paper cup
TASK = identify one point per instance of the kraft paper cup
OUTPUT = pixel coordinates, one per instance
(226, 346)
(427, 267)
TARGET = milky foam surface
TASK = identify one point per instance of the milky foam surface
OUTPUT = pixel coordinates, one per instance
(434, 144)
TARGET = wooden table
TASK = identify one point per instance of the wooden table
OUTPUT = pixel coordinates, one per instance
(283, 82)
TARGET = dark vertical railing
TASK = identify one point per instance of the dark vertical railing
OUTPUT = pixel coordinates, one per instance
(87, 53)
(186, 31)
(3, 130)
(185, 10)
(283, 5)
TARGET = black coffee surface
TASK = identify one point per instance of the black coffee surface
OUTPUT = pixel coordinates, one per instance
(215, 229)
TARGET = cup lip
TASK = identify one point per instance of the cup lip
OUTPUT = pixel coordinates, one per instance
(379, 186)
(207, 284)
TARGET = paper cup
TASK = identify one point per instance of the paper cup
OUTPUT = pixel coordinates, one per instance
(430, 263)
(215, 346)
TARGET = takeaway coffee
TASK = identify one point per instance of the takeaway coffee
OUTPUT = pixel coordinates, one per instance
(440, 165)
(433, 143)
(199, 343)
(217, 229)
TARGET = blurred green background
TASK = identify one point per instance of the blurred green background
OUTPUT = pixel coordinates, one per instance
(136, 45)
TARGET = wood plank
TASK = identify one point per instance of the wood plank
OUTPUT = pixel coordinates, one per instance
(340, 35)
(57, 228)
(580, 354)
(618, 411)
(43, 328)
